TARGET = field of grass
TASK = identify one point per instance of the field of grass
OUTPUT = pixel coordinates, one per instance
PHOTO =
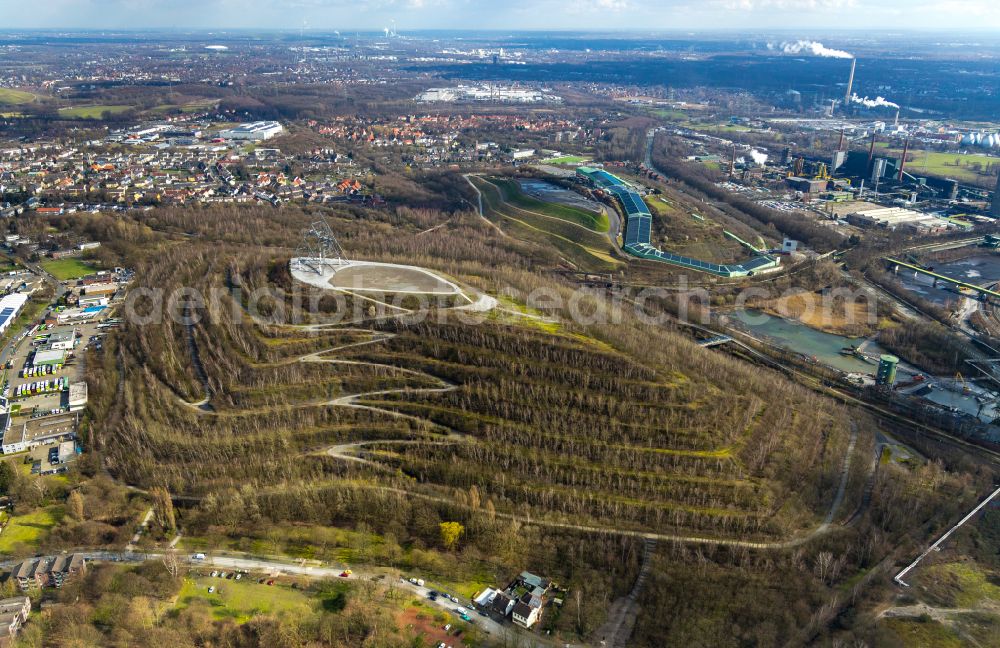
(29, 528)
(568, 159)
(31, 312)
(957, 166)
(91, 112)
(923, 633)
(512, 193)
(66, 269)
(718, 128)
(668, 113)
(580, 245)
(242, 600)
(959, 584)
(15, 97)
(192, 107)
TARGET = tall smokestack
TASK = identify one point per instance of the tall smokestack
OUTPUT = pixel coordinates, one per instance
(902, 160)
(840, 146)
(850, 84)
(895, 122)
(871, 149)
(732, 162)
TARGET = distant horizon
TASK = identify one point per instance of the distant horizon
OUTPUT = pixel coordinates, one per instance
(414, 16)
(346, 31)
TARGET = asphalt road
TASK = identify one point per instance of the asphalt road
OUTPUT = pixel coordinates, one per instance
(494, 630)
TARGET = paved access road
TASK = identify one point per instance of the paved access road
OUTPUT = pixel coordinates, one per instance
(493, 629)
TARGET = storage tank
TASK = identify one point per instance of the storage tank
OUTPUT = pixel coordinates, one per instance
(886, 374)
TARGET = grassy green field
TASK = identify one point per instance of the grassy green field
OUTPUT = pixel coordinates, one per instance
(958, 166)
(923, 633)
(31, 312)
(15, 97)
(242, 600)
(959, 584)
(667, 113)
(66, 269)
(192, 107)
(91, 112)
(29, 528)
(582, 246)
(512, 193)
(718, 128)
(568, 159)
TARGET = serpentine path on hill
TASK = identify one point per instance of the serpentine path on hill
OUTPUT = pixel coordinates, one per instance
(353, 451)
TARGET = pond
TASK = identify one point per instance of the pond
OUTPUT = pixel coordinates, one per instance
(798, 337)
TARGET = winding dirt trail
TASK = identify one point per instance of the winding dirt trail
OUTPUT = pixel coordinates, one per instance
(346, 451)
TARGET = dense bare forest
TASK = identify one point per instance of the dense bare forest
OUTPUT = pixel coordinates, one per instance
(611, 426)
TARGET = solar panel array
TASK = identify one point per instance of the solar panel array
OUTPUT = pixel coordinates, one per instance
(639, 222)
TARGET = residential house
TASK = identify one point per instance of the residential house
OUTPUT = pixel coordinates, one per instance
(525, 615)
(47, 571)
(502, 604)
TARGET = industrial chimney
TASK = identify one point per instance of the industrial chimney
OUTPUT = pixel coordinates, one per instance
(902, 160)
(850, 84)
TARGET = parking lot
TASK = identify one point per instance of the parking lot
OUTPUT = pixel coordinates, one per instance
(48, 398)
(47, 459)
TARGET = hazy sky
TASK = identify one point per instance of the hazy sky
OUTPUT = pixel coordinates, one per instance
(328, 15)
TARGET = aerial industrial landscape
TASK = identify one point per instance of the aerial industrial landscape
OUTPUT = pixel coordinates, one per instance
(422, 337)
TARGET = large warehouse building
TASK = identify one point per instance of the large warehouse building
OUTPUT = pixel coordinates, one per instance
(10, 306)
(255, 131)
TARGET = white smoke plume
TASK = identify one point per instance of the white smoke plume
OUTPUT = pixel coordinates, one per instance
(877, 102)
(814, 48)
(758, 157)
